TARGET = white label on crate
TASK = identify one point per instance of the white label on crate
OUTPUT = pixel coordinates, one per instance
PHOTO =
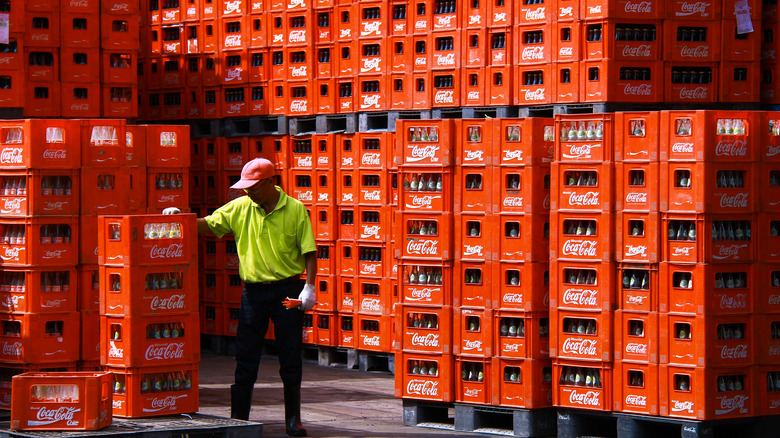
(726, 252)
(425, 247)
(174, 302)
(537, 14)
(682, 148)
(693, 93)
(51, 416)
(682, 406)
(636, 198)
(444, 21)
(50, 154)
(640, 51)
(580, 347)
(372, 195)
(11, 156)
(469, 250)
(566, 52)
(429, 340)
(533, 54)
(372, 27)
(421, 294)
(583, 248)
(232, 6)
(736, 302)
(693, 8)
(115, 352)
(422, 202)
(371, 64)
(581, 297)
(499, 17)
(636, 348)
(725, 148)
(695, 52)
(638, 90)
(370, 159)
(513, 201)
(580, 151)
(634, 251)
(297, 36)
(371, 305)
(566, 12)
(370, 231)
(371, 340)
(735, 352)
(744, 21)
(299, 72)
(371, 101)
(473, 346)
(732, 404)
(165, 351)
(12, 205)
(294, 4)
(304, 161)
(636, 400)
(639, 8)
(158, 404)
(444, 96)
(584, 199)
(590, 398)
(535, 95)
(423, 387)
(233, 41)
(14, 349)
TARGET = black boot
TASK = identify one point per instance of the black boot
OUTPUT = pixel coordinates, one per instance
(292, 411)
(240, 401)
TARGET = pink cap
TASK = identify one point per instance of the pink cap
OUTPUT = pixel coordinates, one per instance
(253, 172)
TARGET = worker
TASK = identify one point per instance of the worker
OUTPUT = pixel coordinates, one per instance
(275, 243)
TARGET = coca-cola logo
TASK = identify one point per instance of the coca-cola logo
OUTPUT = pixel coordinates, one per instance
(513, 298)
(174, 302)
(430, 340)
(371, 305)
(589, 398)
(346, 162)
(12, 349)
(171, 47)
(510, 155)
(736, 148)
(533, 53)
(371, 159)
(471, 155)
(444, 96)
(233, 6)
(52, 154)
(636, 198)
(421, 294)
(499, 17)
(589, 199)
(11, 253)
(322, 197)
(345, 33)
(303, 161)
(298, 72)
(580, 347)
(370, 231)
(640, 51)
(159, 404)
(370, 101)
(579, 151)
(347, 197)
(372, 195)
(291, 5)
(693, 8)
(697, 93)
(233, 41)
(536, 14)
(299, 106)
(54, 254)
(305, 196)
(636, 400)
(372, 27)
(535, 95)
(774, 300)
(167, 198)
(513, 201)
(371, 64)
(371, 340)
(636, 250)
(11, 205)
(11, 156)
(739, 200)
(566, 52)
(171, 351)
(79, 3)
(695, 52)
(771, 151)
(171, 15)
(581, 297)
(475, 19)
(419, 153)
(278, 38)
(423, 247)
(567, 11)
(682, 250)
(50, 416)
(236, 161)
(774, 350)
(12, 300)
(471, 392)
(472, 346)
(172, 251)
(639, 8)
(730, 404)
(445, 60)
(473, 95)
(593, 10)
(682, 148)
(297, 36)
(581, 248)
(735, 352)
(682, 406)
(444, 21)
(636, 348)
(115, 352)
(638, 90)
(423, 388)
(470, 250)
(120, 7)
(425, 202)
(729, 251)
(508, 348)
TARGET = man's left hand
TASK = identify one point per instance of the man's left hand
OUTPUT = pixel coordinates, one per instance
(307, 297)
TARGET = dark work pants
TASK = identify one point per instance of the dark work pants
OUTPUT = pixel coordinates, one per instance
(259, 303)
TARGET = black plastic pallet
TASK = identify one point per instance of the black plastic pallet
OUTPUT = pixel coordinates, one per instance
(423, 413)
(505, 421)
(179, 426)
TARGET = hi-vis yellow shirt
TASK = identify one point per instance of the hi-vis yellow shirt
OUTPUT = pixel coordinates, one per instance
(270, 246)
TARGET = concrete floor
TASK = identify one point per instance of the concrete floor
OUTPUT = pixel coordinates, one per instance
(337, 402)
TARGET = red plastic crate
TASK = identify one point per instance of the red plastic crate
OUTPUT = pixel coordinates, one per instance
(521, 142)
(146, 392)
(571, 388)
(325, 289)
(614, 40)
(705, 249)
(99, 187)
(44, 100)
(423, 329)
(473, 284)
(42, 29)
(45, 241)
(39, 193)
(173, 240)
(744, 47)
(371, 94)
(624, 9)
(708, 289)
(374, 296)
(430, 200)
(419, 243)
(40, 338)
(231, 320)
(565, 41)
(345, 297)
(324, 328)
(521, 335)
(413, 291)
(522, 383)
(168, 145)
(473, 237)
(39, 290)
(373, 224)
(636, 337)
(582, 286)
(474, 383)
(13, 95)
(122, 101)
(693, 392)
(514, 280)
(740, 82)
(636, 388)
(446, 88)
(769, 398)
(234, 32)
(212, 285)
(689, 39)
(692, 134)
(232, 286)
(533, 84)
(122, 32)
(637, 186)
(685, 10)
(637, 136)
(61, 401)
(701, 86)
(375, 333)
(521, 190)
(639, 239)
(345, 330)
(372, 259)
(424, 143)
(326, 191)
(8, 371)
(582, 187)
(90, 338)
(769, 183)
(581, 336)
(212, 318)
(88, 288)
(693, 340)
(80, 100)
(768, 339)
(566, 78)
(637, 81)
(638, 287)
(149, 340)
(767, 287)
(520, 237)
(103, 142)
(473, 330)
(581, 236)
(434, 385)
(43, 65)
(167, 187)
(582, 138)
(146, 291)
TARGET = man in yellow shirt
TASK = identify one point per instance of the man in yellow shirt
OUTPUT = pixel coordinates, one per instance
(275, 243)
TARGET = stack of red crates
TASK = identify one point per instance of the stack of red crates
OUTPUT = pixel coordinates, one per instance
(581, 261)
(119, 44)
(148, 320)
(770, 94)
(39, 246)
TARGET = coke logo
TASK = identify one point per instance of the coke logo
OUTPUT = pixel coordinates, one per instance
(444, 96)
(370, 231)
(580, 347)
(695, 93)
(635, 299)
(299, 106)
(400, 27)
(304, 161)
(171, 15)
(473, 95)
(510, 348)
(774, 300)
(736, 148)
(766, 54)
(168, 198)
(297, 36)
(278, 38)
(586, 199)
(53, 304)
(51, 154)
(635, 348)
(729, 251)
(471, 392)
(736, 352)
(56, 254)
(345, 33)
(232, 6)
(371, 340)
(582, 248)
(590, 398)
(170, 351)
(473, 346)
(639, 250)
(580, 297)
(566, 52)
(347, 197)
(173, 47)
(682, 251)
(11, 156)
(115, 352)
(421, 61)
(695, 52)
(538, 14)
(429, 340)
(499, 16)
(535, 95)
(305, 196)
(579, 151)
(422, 294)
(371, 159)
(372, 27)
(373, 195)
(371, 64)
(423, 387)
(371, 101)
(120, 7)
(346, 162)
(371, 305)
(233, 41)
(693, 8)
(164, 403)
(299, 72)
(513, 201)
(175, 250)
(174, 302)
(419, 153)
(475, 155)
(636, 400)
(425, 247)
(638, 90)
(5, 60)
(469, 250)
(740, 200)
(774, 350)
(208, 10)
(682, 148)
(533, 53)
(513, 155)
(11, 205)
(640, 8)
(11, 253)
(62, 413)
(566, 12)
(236, 161)
(294, 4)
(14, 349)
(680, 406)
(446, 60)
(513, 298)
(322, 197)
(641, 51)
(636, 198)
(475, 19)
(422, 201)
(79, 3)
(594, 9)
(12, 300)
(40, 37)
(731, 404)
(444, 21)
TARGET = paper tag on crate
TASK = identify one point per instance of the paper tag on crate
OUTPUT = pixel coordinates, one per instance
(742, 11)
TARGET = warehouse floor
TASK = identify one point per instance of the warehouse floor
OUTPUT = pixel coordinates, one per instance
(337, 402)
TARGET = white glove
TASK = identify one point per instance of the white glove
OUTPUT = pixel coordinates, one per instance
(171, 210)
(307, 297)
